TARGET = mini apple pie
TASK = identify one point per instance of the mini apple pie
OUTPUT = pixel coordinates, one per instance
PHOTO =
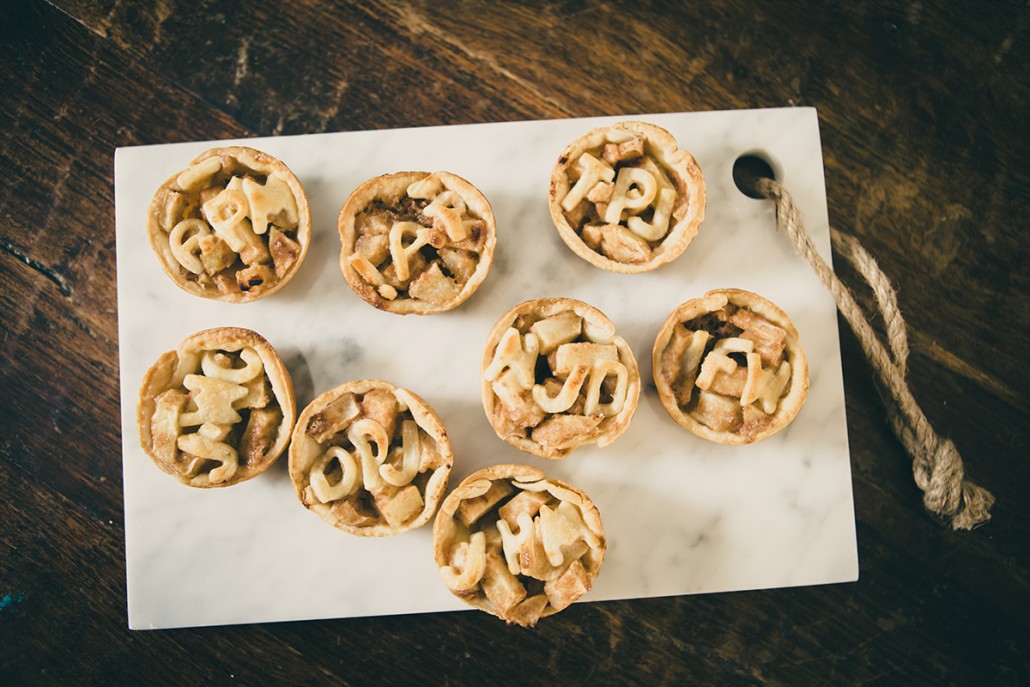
(729, 368)
(233, 226)
(555, 376)
(370, 458)
(415, 242)
(218, 410)
(625, 198)
(517, 545)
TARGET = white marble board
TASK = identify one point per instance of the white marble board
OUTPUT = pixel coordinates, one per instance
(682, 516)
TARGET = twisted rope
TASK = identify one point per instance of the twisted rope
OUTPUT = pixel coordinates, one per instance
(936, 463)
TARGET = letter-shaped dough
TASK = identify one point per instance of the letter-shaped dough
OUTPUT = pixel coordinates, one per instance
(635, 189)
(718, 360)
(561, 527)
(199, 174)
(597, 376)
(213, 398)
(659, 224)
(425, 188)
(591, 171)
(568, 394)
(510, 353)
(448, 207)
(227, 213)
(253, 367)
(184, 241)
(400, 253)
(691, 361)
(325, 492)
(765, 385)
(269, 200)
(412, 456)
(511, 542)
(475, 566)
(358, 434)
(208, 449)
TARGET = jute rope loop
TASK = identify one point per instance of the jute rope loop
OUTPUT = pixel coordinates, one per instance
(936, 463)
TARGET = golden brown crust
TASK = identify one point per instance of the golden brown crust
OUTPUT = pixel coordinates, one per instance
(263, 405)
(333, 463)
(516, 544)
(556, 376)
(729, 367)
(237, 231)
(629, 240)
(448, 218)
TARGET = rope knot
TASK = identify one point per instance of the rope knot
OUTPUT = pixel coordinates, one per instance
(936, 465)
(939, 473)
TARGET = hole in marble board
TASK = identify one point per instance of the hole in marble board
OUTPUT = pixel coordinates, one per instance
(748, 169)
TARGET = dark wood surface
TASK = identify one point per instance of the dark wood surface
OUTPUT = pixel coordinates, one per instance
(923, 110)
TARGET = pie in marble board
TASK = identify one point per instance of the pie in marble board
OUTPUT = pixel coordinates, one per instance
(415, 242)
(234, 225)
(729, 367)
(518, 545)
(218, 410)
(625, 198)
(556, 376)
(370, 459)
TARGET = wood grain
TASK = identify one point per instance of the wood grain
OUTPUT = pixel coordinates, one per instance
(923, 110)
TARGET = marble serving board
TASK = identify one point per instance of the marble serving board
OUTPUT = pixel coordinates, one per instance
(682, 515)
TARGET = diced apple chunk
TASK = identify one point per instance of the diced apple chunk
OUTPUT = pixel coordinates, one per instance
(258, 395)
(375, 247)
(516, 404)
(172, 207)
(349, 512)
(532, 557)
(769, 340)
(720, 413)
(627, 150)
(557, 330)
(400, 507)
(501, 587)
(164, 424)
(527, 502)
(471, 510)
(284, 251)
(255, 278)
(461, 263)
(572, 584)
(591, 235)
(259, 435)
(381, 405)
(622, 245)
(215, 254)
(434, 286)
(334, 418)
(601, 192)
(730, 384)
(587, 354)
(529, 611)
(562, 431)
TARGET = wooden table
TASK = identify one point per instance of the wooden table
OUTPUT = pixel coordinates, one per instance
(923, 111)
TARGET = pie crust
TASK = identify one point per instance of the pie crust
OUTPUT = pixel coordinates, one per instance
(556, 376)
(218, 410)
(626, 198)
(517, 545)
(415, 242)
(370, 458)
(234, 226)
(729, 367)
